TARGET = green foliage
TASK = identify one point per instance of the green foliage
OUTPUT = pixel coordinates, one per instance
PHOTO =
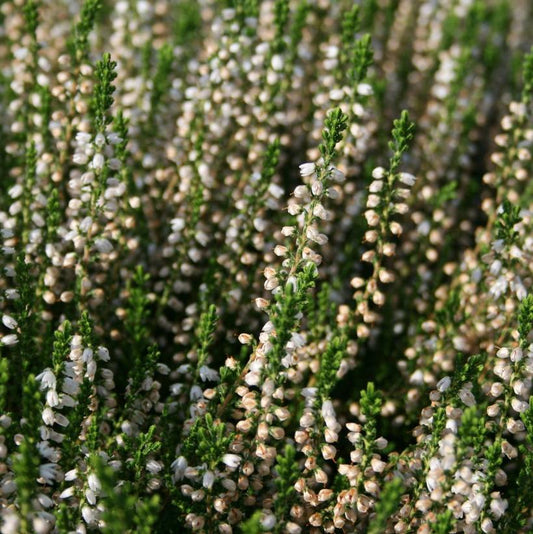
(161, 80)
(181, 347)
(187, 22)
(206, 333)
(26, 469)
(447, 193)
(287, 473)
(527, 68)
(388, 502)
(61, 349)
(297, 27)
(31, 406)
(467, 369)
(371, 403)
(79, 42)
(281, 17)
(356, 54)
(402, 135)
(31, 18)
(4, 383)
(137, 313)
(124, 510)
(208, 441)
(252, 525)
(26, 362)
(525, 319)
(29, 181)
(473, 431)
(508, 217)
(102, 98)
(142, 447)
(334, 126)
(329, 365)
(443, 524)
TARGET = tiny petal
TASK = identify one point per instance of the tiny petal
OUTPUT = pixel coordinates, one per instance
(9, 322)
(307, 169)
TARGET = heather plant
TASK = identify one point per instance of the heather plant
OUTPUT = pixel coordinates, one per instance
(266, 266)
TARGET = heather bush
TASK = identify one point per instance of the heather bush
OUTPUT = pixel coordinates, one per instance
(266, 266)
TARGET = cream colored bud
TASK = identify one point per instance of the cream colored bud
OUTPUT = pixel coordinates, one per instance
(245, 339)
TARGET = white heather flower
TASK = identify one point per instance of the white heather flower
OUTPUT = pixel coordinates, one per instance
(103, 245)
(503, 353)
(231, 460)
(48, 416)
(276, 191)
(280, 250)
(268, 521)
(320, 212)
(378, 466)
(307, 420)
(90, 515)
(48, 472)
(66, 494)
(178, 466)
(333, 193)
(309, 392)
(379, 173)
(444, 383)
(498, 245)
(83, 138)
(467, 397)
(153, 466)
(365, 89)
(261, 303)
(245, 339)
(301, 191)
(314, 235)
(516, 354)
(495, 267)
(103, 354)
(328, 451)
(519, 405)
(52, 398)
(80, 158)
(498, 506)
(208, 374)
(294, 208)
(407, 179)
(372, 218)
(47, 379)
(336, 175)
(195, 393)
(9, 322)
(271, 284)
(44, 500)
(373, 201)
(177, 224)
(307, 169)
(10, 339)
(94, 483)
(287, 231)
(208, 479)
(71, 475)
(277, 62)
(317, 188)
(98, 161)
(90, 496)
(376, 186)
(11, 523)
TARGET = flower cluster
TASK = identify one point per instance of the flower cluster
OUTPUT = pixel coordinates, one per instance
(266, 266)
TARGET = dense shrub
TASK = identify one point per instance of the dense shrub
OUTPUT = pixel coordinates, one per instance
(266, 266)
